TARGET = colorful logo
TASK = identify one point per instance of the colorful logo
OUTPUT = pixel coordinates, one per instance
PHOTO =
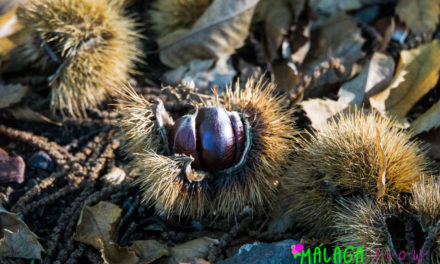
(297, 249)
(350, 254)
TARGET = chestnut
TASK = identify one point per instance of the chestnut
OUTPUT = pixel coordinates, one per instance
(227, 155)
(214, 137)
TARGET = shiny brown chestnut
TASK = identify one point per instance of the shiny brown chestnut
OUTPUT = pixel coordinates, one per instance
(214, 137)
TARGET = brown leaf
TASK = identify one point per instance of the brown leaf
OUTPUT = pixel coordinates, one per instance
(114, 254)
(198, 248)
(286, 75)
(420, 16)
(11, 94)
(375, 76)
(276, 16)
(221, 29)
(428, 120)
(11, 31)
(329, 41)
(11, 169)
(320, 110)
(206, 74)
(193, 261)
(7, 45)
(149, 250)
(16, 239)
(9, 24)
(29, 115)
(416, 74)
(381, 176)
(96, 224)
(333, 6)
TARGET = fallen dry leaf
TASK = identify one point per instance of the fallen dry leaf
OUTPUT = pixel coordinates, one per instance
(416, 74)
(11, 31)
(193, 261)
(9, 24)
(420, 16)
(286, 75)
(96, 224)
(29, 115)
(197, 248)
(11, 94)
(17, 240)
(276, 17)
(205, 74)
(381, 176)
(114, 254)
(333, 6)
(428, 120)
(373, 78)
(221, 29)
(11, 169)
(329, 41)
(149, 250)
(320, 110)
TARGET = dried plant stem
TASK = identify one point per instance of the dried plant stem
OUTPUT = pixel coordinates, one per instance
(244, 220)
(297, 94)
(58, 152)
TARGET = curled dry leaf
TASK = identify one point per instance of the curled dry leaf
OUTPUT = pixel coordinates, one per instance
(197, 248)
(333, 6)
(11, 94)
(416, 74)
(221, 29)
(29, 115)
(277, 17)
(205, 74)
(149, 250)
(428, 120)
(96, 224)
(420, 16)
(11, 169)
(373, 78)
(114, 254)
(329, 41)
(320, 110)
(193, 261)
(16, 239)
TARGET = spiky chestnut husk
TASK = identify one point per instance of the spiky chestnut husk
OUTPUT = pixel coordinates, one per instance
(169, 15)
(426, 204)
(362, 222)
(88, 46)
(342, 160)
(379, 228)
(176, 189)
(426, 201)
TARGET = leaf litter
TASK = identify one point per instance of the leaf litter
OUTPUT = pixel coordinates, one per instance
(328, 56)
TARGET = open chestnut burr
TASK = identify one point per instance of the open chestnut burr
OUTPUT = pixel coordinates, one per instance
(226, 154)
